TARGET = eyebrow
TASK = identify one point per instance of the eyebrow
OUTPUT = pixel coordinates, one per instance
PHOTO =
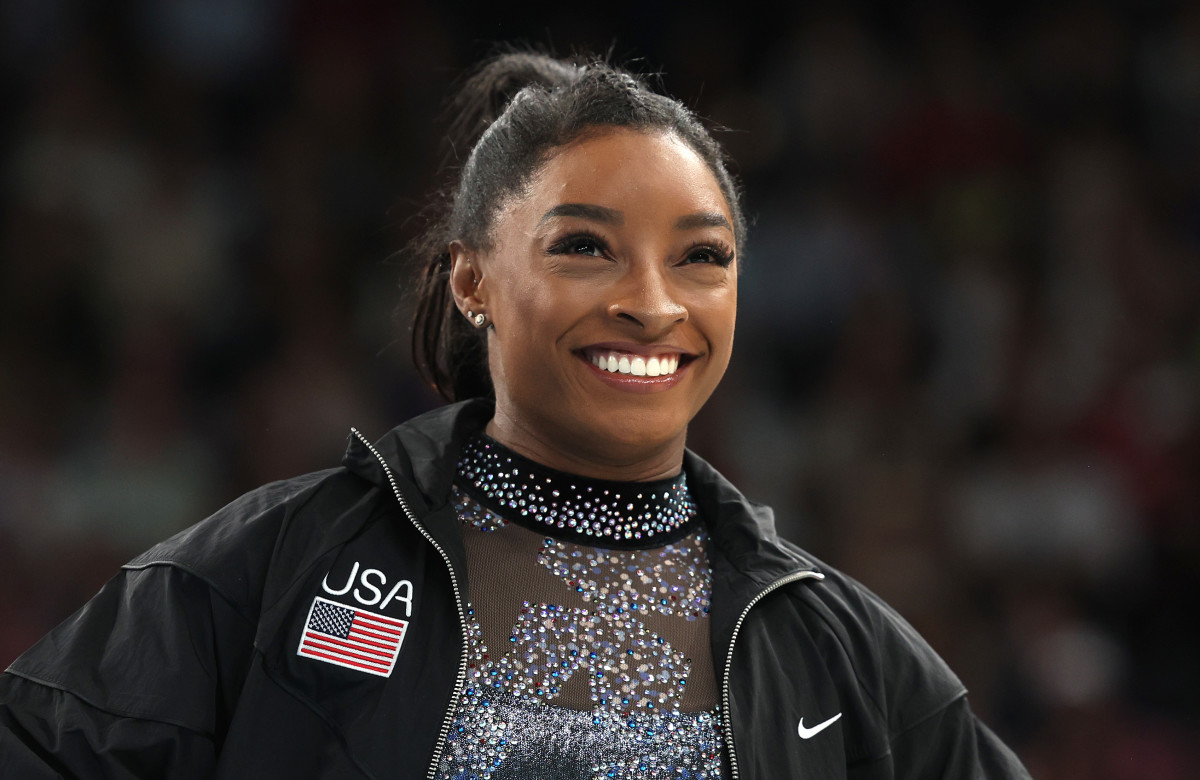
(703, 219)
(586, 211)
(613, 217)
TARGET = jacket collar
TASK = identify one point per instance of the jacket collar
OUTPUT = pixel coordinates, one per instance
(743, 532)
(423, 451)
(747, 556)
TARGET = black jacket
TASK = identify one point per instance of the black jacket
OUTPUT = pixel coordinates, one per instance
(185, 665)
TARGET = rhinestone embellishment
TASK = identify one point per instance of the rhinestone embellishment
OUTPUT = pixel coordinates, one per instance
(615, 514)
(508, 723)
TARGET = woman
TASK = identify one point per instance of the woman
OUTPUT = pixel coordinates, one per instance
(538, 581)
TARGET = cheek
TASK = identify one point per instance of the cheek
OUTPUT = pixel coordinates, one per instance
(720, 316)
(530, 321)
(530, 315)
(731, 311)
(545, 307)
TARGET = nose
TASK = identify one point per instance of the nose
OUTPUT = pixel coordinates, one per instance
(647, 298)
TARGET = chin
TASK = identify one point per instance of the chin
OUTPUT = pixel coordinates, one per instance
(632, 434)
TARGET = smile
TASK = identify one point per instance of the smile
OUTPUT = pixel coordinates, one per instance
(635, 365)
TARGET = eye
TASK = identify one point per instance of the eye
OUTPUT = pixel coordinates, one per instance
(709, 255)
(582, 244)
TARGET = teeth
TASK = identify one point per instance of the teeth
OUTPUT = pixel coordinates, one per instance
(636, 365)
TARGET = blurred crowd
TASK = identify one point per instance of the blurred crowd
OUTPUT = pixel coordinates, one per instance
(968, 361)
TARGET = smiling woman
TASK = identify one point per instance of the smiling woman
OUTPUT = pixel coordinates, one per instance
(538, 580)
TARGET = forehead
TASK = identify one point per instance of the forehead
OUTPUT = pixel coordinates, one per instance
(626, 170)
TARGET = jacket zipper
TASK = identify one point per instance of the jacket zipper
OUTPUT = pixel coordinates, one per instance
(727, 728)
(448, 721)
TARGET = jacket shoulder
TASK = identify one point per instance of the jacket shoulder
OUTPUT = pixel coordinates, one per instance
(893, 665)
(925, 726)
(231, 550)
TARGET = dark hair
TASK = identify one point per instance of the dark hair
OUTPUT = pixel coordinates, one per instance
(512, 114)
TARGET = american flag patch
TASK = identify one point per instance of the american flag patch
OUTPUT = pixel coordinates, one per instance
(354, 638)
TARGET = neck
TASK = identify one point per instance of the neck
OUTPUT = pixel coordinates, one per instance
(620, 462)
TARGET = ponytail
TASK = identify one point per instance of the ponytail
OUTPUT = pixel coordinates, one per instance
(449, 353)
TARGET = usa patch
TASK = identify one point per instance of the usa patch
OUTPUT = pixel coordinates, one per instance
(350, 637)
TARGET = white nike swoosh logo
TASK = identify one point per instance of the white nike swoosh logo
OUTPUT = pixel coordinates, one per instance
(815, 730)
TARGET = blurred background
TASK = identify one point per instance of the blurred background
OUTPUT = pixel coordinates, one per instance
(968, 363)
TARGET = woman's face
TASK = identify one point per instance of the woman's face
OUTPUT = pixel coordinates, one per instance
(612, 288)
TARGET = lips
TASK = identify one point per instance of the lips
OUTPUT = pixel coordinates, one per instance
(633, 364)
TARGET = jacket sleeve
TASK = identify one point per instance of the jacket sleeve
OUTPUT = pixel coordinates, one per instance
(932, 732)
(953, 744)
(924, 727)
(136, 684)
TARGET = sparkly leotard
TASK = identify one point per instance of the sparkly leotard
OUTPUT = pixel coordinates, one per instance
(589, 634)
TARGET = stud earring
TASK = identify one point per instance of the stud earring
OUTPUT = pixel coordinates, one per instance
(479, 319)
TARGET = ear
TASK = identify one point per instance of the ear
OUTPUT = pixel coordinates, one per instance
(466, 280)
